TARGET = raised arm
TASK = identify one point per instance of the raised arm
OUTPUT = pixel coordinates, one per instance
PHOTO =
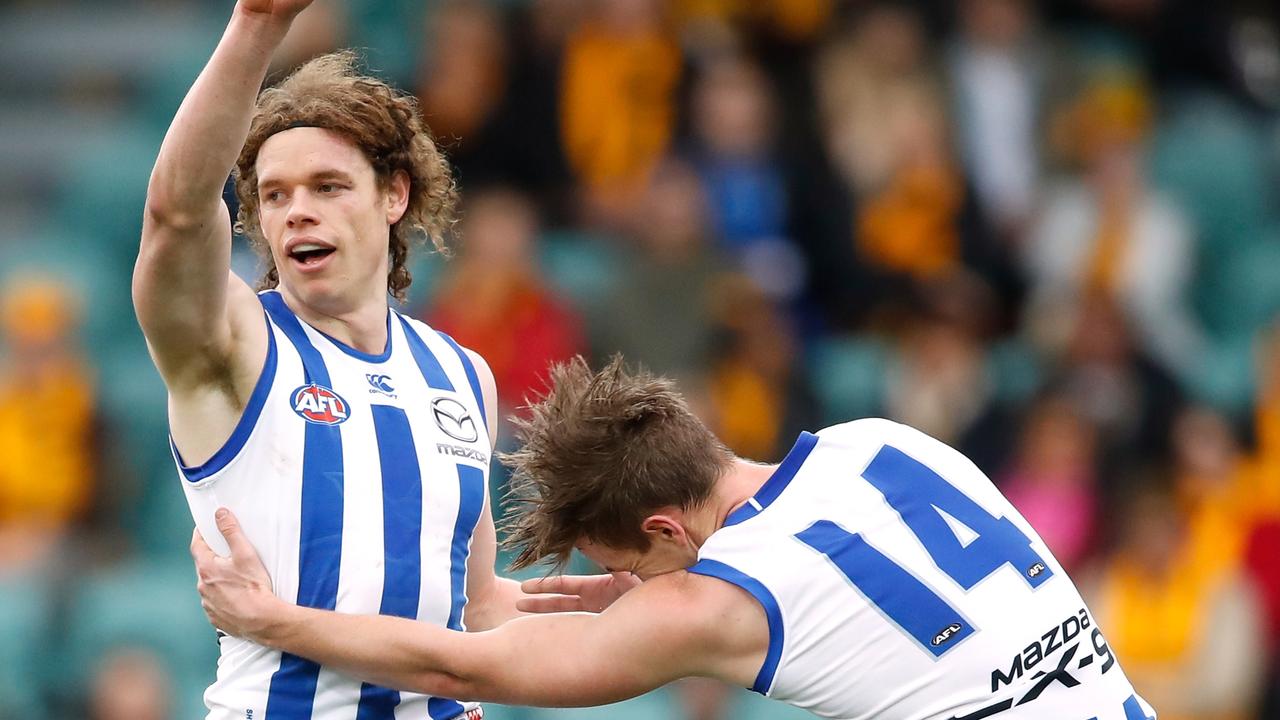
(673, 626)
(189, 305)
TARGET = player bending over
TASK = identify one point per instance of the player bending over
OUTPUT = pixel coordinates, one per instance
(874, 573)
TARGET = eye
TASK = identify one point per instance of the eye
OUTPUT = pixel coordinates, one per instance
(327, 188)
(273, 196)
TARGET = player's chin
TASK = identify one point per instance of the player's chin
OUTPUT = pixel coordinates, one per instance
(311, 282)
(322, 292)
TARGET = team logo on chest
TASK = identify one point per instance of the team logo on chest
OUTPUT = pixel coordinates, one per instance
(318, 404)
(454, 420)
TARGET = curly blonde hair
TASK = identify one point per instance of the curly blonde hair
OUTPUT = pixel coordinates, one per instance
(328, 92)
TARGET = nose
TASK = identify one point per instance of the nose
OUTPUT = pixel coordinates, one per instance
(301, 210)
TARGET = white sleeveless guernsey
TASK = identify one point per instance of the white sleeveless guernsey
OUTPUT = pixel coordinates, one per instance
(359, 478)
(899, 584)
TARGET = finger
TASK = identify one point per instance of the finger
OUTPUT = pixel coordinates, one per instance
(550, 604)
(234, 534)
(626, 579)
(200, 550)
(210, 614)
(562, 584)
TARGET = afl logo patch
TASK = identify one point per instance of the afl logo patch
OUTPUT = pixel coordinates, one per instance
(320, 405)
(454, 420)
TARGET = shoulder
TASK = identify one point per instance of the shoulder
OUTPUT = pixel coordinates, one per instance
(867, 430)
(722, 629)
(705, 612)
(477, 371)
(865, 438)
(466, 354)
(488, 385)
(860, 426)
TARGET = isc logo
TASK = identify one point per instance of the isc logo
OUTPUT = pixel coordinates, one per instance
(318, 404)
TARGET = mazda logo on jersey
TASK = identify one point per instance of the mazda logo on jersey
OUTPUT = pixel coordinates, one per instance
(454, 419)
(318, 404)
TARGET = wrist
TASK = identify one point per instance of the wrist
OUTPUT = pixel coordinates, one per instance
(264, 28)
(277, 620)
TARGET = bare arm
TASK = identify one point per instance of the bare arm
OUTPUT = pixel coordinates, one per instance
(559, 660)
(673, 626)
(491, 600)
(190, 307)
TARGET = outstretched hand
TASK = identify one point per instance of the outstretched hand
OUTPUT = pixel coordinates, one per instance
(235, 591)
(574, 593)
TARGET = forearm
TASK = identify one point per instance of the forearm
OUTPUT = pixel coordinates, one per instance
(495, 607)
(388, 651)
(206, 135)
(544, 660)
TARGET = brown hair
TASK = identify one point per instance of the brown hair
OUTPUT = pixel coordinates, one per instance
(385, 124)
(601, 451)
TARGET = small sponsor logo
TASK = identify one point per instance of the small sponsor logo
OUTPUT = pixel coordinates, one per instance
(947, 633)
(1036, 570)
(318, 404)
(462, 452)
(454, 420)
(380, 383)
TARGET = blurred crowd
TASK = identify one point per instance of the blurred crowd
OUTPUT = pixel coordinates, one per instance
(1047, 233)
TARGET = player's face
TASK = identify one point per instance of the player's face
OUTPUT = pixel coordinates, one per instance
(326, 218)
(662, 557)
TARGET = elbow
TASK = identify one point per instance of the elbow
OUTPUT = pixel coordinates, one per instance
(161, 212)
(447, 685)
(170, 208)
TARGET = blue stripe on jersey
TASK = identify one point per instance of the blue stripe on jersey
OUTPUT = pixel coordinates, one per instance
(470, 502)
(777, 482)
(899, 596)
(313, 366)
(772, 613)
(470, 369)
(441, 709)
(244, 427)
(293, 686)
(427, 362)
(401, 538)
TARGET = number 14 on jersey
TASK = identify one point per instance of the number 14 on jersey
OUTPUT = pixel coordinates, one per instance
(920, 497)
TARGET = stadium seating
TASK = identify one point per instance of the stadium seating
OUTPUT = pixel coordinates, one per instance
(152, 605)
(24, 624)
(850, 371)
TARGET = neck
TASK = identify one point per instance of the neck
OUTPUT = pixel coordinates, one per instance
(740, 481)
(363, 326)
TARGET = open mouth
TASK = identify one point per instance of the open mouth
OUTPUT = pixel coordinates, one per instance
(310, 254)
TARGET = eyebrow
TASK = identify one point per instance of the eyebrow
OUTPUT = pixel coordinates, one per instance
(319, 175)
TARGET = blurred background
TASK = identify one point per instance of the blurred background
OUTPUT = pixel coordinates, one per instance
(1047, 233)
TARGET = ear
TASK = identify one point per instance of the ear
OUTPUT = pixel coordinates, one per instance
(664, 526)
(397, 199)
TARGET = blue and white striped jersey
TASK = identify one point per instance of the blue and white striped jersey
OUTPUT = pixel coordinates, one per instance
(899, 584)
(359, 478)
